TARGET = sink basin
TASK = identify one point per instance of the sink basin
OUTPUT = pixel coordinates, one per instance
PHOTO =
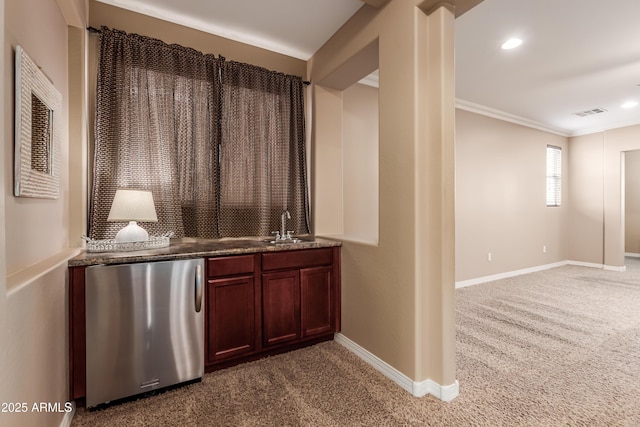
(291, 241)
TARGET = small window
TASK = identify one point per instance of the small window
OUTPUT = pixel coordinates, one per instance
(554, 175)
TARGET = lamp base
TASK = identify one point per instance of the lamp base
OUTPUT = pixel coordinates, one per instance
(132, 233)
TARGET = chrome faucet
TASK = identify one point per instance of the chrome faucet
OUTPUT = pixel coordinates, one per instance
(284, 234)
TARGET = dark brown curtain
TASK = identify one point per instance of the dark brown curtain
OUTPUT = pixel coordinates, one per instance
(165, 122)
(262, 162)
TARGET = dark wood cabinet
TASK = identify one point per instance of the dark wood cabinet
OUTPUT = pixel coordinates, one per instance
(299, 296)
(256, 304)
(317, 307)
(230, 318)
(280, 307)
(77, 334)
(231, 321)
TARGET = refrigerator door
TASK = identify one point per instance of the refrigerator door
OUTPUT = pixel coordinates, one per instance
(144, 327)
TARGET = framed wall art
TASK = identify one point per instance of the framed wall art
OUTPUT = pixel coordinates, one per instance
(37, 131)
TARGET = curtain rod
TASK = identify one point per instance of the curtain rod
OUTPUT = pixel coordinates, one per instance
(94, 30)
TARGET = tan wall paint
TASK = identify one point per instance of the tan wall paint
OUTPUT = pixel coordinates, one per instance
(500, 197)
(632, 202)
(35, 235)
(326, 162)
(37, 357)
(38, 227)
(360, 163)
(397, 296)
(75, 12)
(616, 142)
(78, 40)
(5, 393)
(434, 164)
(586, 199)
(597, 230)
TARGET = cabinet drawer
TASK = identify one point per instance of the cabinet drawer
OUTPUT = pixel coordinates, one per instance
(297, 259)
(228, 266)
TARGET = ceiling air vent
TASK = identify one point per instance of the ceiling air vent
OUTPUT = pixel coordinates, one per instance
(590, 112)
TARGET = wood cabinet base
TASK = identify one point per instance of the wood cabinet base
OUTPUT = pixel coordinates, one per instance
(256, 305)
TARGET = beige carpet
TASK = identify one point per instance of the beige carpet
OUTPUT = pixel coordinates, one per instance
(554, 348)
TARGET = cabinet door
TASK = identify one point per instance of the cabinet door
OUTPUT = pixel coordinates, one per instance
(280, 307)
(231, 318)
(316, 294)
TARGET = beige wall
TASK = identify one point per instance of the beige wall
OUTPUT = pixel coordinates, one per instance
(590, 226)
(500, 198)
(397, 295)
(36, 232)
(30, 238)
(79, 124)
(326, 162)
(632, 202)
(596, 174)
(5, 395)
(586, 192)
(617, 141)
(36, 361)
(360, 163)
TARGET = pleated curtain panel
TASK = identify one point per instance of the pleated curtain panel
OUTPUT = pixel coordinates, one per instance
(220, 144)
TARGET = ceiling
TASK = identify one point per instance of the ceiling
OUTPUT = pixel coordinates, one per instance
(296, 28)
(576, 55)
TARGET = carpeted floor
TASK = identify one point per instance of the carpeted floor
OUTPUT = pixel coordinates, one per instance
(554, 348)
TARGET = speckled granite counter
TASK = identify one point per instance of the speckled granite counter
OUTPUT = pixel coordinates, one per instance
(196, 248)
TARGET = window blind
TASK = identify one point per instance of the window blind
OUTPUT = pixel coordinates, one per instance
(554, 175)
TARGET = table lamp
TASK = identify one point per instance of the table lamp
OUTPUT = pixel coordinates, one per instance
(132, 206)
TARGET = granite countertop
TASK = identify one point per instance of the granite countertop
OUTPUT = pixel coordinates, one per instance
(197, 248)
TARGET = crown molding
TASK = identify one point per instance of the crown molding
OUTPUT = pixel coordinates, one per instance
(507, 117)
(589, 131)
(512, 118)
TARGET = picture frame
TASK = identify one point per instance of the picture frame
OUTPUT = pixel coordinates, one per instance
(38, 130)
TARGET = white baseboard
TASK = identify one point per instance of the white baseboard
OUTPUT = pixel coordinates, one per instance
(491, 278)
(417, 389)
(478, 280)
(585, 264)
(632, 254)
(602, 266)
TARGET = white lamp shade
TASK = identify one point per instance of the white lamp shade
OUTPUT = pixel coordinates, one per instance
(133, 205)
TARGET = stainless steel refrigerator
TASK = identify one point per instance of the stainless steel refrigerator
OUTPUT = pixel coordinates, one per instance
(144, 327)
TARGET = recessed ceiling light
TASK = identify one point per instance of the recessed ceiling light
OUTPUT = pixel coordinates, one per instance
(630, 104)
(511, 43)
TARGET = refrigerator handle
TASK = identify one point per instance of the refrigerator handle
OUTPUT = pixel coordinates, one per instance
(198, 288)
